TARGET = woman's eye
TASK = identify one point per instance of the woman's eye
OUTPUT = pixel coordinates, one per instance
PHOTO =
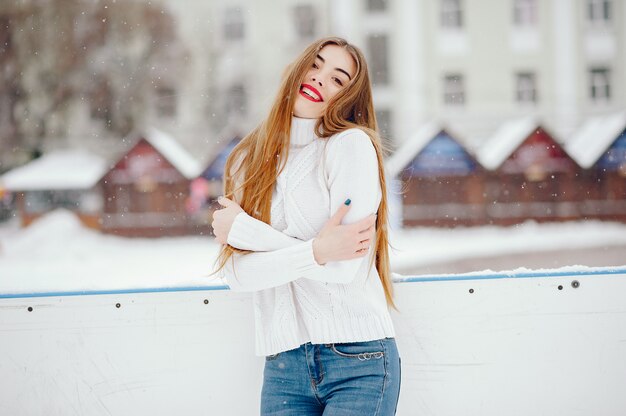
(338, 81)
(315, 66)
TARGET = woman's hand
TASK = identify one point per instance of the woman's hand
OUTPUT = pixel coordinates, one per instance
(223, 219)
(343, 242)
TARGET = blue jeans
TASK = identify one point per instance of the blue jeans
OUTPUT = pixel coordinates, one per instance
(356, 378)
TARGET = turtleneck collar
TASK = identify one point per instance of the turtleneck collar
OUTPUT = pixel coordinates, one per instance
(302, 131)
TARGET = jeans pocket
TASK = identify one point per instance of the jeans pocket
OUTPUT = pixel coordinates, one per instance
(271, 357)
(362, 350)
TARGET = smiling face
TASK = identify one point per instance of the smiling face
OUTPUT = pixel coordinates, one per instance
(333, 70)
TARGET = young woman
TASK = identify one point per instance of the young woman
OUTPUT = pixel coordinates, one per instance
(304, 227)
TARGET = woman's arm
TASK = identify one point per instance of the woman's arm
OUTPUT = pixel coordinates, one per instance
(233, 226)
(249, 233)
(353, 173)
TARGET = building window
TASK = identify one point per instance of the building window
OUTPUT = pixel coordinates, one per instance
(233, 23)
(165, 101)
(451, 14)
(525, 12)
(599, 11)
(237, 100)
(453, 90)
(383, 119)
(526, 87)
(100, 99)
(377, 47)
(304, 20)
(376, 5)
(600, 84)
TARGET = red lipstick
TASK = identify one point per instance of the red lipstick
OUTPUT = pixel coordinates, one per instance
(315, 97)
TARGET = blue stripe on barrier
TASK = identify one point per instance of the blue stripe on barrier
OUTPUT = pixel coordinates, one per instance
(525, 275)
(111, 292)
(433, 278)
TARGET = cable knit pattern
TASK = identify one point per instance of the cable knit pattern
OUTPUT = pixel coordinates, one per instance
(295, 299)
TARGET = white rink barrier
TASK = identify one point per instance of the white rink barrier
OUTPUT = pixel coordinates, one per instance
(488, 345)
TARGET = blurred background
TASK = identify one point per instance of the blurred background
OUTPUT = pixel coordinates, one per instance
(506, 120)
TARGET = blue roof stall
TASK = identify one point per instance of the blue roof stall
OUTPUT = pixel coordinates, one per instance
(442, 156)
(215, 170)
(614, 159)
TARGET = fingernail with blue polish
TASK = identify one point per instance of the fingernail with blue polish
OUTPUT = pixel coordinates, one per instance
(347, 201)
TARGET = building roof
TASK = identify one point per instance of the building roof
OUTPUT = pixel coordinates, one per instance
(411, 147)
(594, 137)
(57, 170)
(173, 152)
(215, 169)
(508, 137)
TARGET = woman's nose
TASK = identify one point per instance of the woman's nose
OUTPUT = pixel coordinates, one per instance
(315, 80)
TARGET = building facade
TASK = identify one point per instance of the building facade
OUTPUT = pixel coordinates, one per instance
(476, 64)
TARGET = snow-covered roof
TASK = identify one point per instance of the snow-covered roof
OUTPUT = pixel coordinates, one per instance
(594, 137)
(411, 147)
(504, 141)
(173, 152)
(61, 169)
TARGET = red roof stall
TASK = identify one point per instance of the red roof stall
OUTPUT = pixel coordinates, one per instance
(599, 147)
(145, 192)
(441, 181)
(531, 176)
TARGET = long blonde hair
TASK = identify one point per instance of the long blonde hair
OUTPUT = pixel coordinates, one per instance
(258, 154)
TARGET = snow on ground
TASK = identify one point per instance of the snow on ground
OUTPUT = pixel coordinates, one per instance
(422, 246)
(56, 253)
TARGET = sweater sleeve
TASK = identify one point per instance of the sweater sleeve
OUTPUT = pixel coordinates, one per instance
(249, 233)
(352, 169)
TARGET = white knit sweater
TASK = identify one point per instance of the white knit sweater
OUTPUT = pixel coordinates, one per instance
(296, 300)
